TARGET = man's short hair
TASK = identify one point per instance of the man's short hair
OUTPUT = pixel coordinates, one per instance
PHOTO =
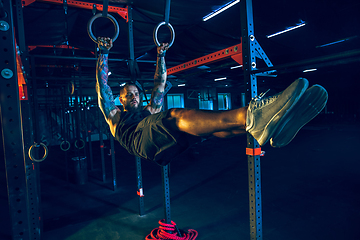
(122, 89)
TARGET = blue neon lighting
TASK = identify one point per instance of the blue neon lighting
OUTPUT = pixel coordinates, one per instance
(301, 24)
(220, 9)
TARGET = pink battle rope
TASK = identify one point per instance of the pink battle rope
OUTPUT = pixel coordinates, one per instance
(162, 232)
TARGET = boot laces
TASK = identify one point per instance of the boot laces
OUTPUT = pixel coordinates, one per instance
(259, 101)
(258, 98)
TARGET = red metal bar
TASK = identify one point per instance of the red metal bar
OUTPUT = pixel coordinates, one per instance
(235, 52)
(23, 95)
(21, 82)
(76, 68)
(30, 48)
(123, 12)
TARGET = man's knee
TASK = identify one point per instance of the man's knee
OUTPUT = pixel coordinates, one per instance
(176, 113)
(174, 117)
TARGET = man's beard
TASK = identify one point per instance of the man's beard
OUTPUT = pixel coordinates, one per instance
(134, 108)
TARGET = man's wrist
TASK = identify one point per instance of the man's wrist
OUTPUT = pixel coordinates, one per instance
(161, 54)
(104, 51)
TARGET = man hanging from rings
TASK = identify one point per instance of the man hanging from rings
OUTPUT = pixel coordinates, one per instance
(159, 136)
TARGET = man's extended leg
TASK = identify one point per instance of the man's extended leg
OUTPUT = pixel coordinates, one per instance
(260, 119)
(204, 122)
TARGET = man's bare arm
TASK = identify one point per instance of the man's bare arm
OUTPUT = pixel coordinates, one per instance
(157, 95)
(105, 96)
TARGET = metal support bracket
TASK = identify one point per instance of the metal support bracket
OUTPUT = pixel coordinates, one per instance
(259, 53)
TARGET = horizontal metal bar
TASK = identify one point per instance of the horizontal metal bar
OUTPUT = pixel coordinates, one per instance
(76, 58)
(95, 59)
(82, 79)
(86, 5)
(32, 47)
(210, 58)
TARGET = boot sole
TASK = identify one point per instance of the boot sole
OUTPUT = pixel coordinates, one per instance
(273, 124)
(308, 107)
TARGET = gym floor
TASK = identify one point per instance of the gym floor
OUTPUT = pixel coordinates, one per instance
(310, 190)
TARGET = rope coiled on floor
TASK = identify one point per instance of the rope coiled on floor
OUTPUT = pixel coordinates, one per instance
(170, 231)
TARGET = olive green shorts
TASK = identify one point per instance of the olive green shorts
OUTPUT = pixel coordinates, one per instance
(155, 142)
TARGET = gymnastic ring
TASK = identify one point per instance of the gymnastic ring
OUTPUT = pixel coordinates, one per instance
(155, 33)
(38, 145)
(112, 19)
(82, 145)
(65, 148)
(71, 88)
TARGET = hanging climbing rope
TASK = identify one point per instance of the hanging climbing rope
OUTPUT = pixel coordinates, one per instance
(170, 231)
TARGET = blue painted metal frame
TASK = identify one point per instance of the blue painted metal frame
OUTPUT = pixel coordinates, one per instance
(22, 180)
(166, 188)
(140, 186)
(132, 61)
(113, 161)
(132, 69)
(249, 64)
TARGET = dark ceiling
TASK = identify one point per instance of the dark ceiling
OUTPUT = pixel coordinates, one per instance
(327, 21)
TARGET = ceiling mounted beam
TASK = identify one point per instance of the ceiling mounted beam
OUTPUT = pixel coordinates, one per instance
(123, 12)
